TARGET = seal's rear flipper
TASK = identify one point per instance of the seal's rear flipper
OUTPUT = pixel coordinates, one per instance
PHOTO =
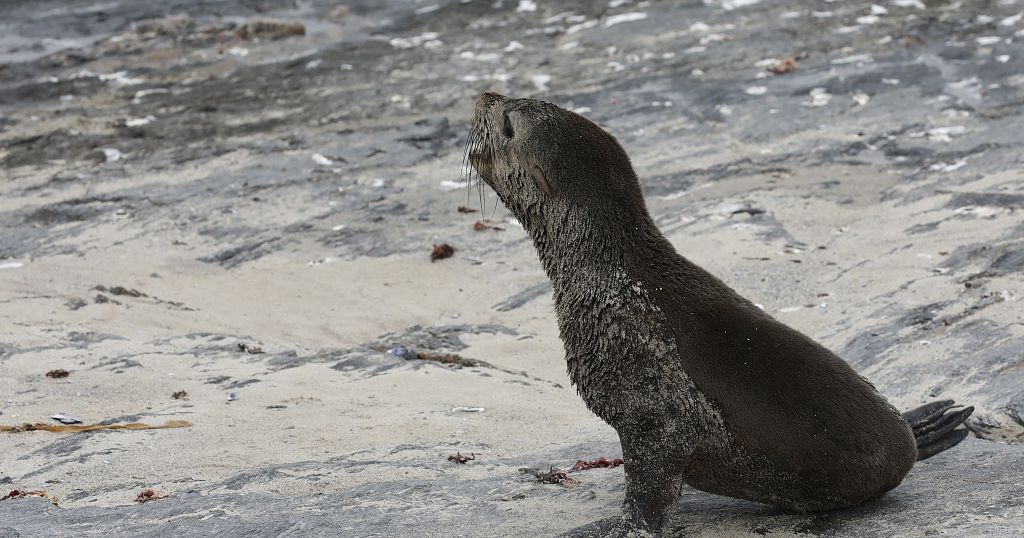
(935, 429)
(949, 440)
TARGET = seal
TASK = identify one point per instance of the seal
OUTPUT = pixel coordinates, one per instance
(703, 387)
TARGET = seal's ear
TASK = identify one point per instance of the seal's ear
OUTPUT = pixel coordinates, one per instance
(540, 179)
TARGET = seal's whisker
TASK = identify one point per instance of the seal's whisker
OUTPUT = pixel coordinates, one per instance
(480, 191)
(472, 175)
(474, 147)
(471, 172)
(481, 185)
(465, 155)
(493, 209)
(471, 140)
(466, 171)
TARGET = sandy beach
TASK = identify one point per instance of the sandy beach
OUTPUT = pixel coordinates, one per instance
(199, 197)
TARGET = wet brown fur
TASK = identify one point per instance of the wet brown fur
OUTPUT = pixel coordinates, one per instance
(702, 386)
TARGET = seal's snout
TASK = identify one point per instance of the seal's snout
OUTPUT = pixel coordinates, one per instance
(478, 153)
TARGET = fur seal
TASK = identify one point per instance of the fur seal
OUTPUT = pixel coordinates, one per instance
(703, 387)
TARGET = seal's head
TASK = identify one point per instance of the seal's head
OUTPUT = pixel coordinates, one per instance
(558, 172)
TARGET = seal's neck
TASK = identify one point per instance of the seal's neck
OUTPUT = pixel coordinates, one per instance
(576, 244)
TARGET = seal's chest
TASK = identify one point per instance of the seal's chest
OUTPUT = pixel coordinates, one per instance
(615, 342)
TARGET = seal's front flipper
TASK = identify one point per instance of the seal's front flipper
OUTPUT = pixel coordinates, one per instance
(935, 425)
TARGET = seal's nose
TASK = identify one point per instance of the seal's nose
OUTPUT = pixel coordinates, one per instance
(487, 99)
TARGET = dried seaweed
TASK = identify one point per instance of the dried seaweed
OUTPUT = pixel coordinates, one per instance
(249, 348)
(602, 462)
(459, 457)
(554, 475)
(149, 494)
(76, 428)
(20, 494)
(442, 251)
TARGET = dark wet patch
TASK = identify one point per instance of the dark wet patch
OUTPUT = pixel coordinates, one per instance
(665, 185)
(372, 358)
(922, 228)
(63, 213)
(61, 447)
(997, 259)
(869, 347)
(237, 384)
(75, 303)
(368, 364)
(85, 339)
(1011, 261)
(355, 242)
(431, 134)
(284, 360)
(436, 338)
(235, 256)
(996, 199)
(117, 365)
(523, 297)
(53, 146)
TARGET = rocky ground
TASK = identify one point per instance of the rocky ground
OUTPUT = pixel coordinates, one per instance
(239, 200)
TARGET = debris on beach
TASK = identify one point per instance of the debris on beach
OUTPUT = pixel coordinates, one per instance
(602, 462)
(21, 494)
(459, 457)
(451, 359)
(321, 160)
(232, 396)
(77, 428)
(402, 353)
(58, 373)
(64, 418)
(467, 409)
(448, 185)
(442, 251)
(464, 209)
(819, 97)
(75, 303)
(149, 494)
(120, 290)
(109, 155)
(179, 395)
(749, 210)
(249, 348)
(269, 29)
(554, 475)
(785, 66)
(481, 226)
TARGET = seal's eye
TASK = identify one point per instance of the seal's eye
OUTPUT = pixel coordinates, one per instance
(508, 128)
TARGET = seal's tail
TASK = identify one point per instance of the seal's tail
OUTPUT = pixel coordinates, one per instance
(935, 426)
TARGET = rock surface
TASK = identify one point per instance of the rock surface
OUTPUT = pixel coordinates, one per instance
(242, 198)
(973, 492)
